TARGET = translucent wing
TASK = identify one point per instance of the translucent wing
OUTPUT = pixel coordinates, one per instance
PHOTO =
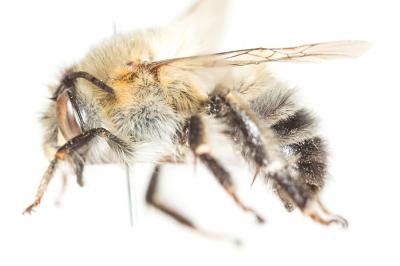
(304, 53)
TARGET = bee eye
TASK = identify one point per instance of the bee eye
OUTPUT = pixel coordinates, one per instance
(67, 116)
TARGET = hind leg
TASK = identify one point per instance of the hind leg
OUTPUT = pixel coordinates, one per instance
(262, 148)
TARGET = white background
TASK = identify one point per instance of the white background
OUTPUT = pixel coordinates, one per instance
(357, 102)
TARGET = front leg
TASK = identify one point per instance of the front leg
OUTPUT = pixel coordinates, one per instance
(261, 148)
(68, 152)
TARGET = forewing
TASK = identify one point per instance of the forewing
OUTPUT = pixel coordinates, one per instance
(305, 53)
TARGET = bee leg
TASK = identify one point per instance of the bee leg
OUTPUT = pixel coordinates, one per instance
(151, 199)
(62, 189)
(42, 186)
(254, 141)
(260, 147)
(77, 163)
(202, 151)
(320, 214)
(66, 152)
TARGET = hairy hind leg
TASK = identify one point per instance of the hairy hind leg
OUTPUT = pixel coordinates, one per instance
(307, 155)
(261, 147)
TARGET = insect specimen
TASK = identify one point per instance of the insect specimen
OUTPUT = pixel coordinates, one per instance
(152, 95)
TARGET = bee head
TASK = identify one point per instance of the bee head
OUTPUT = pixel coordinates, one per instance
(67, 115)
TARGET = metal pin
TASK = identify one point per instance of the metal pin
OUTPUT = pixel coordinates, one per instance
(130, 204)
(114, 27)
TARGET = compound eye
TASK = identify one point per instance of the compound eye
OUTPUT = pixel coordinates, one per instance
(67, 117)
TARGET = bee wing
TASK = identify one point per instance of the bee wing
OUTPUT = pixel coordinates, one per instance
(198, 30)
(305, 53)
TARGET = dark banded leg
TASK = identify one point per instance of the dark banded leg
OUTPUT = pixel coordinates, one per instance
(68, 152)
(261, 148)
(201, 150)
(151, 199)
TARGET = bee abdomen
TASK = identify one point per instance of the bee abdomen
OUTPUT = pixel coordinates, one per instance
(310, 161)
(297, 126)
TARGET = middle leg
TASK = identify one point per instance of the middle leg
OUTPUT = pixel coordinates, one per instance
(151, 199)
(202, 151)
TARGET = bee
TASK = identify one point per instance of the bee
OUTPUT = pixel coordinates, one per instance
(159, 95)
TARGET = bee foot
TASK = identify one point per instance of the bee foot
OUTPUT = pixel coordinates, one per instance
(31, 208)
(316, 211)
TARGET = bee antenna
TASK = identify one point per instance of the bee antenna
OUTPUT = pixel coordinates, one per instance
(69, 79)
